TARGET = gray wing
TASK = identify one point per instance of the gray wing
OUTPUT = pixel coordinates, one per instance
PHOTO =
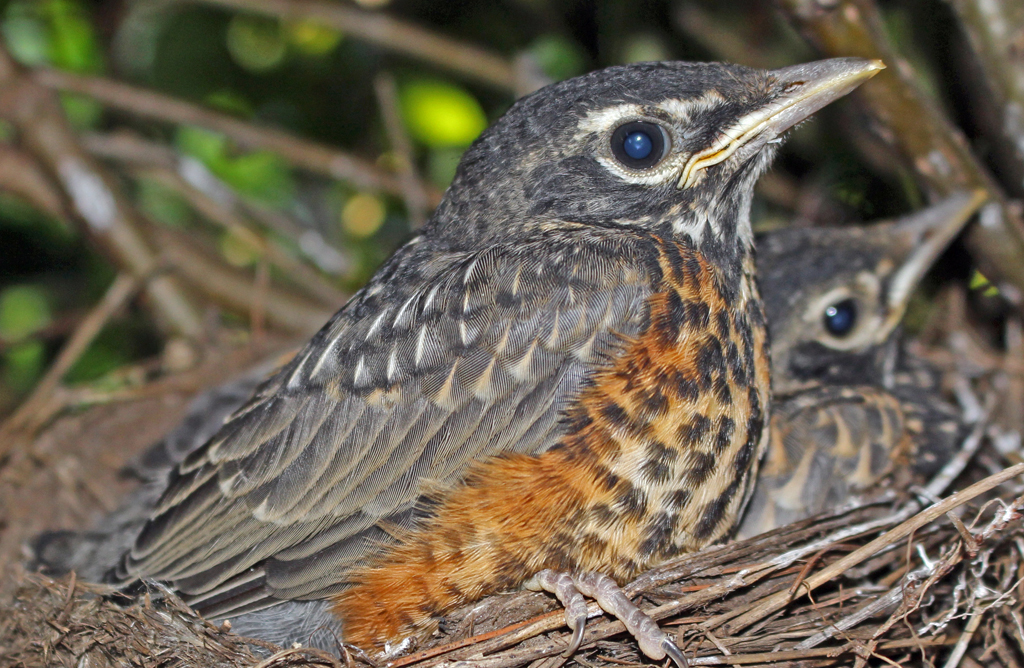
(396, 395)
(826, 444)
(94, 553)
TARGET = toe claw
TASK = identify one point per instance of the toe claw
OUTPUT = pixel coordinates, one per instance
(676, 654)
(577, 636)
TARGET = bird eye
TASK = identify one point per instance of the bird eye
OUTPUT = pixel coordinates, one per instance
(639, 145)
(840, 318)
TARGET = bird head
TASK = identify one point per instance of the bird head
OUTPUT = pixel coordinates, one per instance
(672, 147)
(835, 296)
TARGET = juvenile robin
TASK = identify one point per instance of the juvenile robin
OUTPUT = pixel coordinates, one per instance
(853, 404)
(561, 381)
(849, 403)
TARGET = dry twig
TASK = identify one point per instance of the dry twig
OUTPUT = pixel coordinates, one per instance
(37, 409)
(105, 214)
(405, 38)
(302, 153)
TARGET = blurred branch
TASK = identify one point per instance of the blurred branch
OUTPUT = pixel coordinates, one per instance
(236, 290)
(914, 125)
(415, 197)
(33, 412)
(128, 147)
(302, 153)
(103, 212)
(396, 35)
(723, 40)
(996, 33)
(21, 175)
(134, 151)
(224, 216)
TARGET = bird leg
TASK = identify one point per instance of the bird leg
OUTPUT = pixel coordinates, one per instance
(570, 590)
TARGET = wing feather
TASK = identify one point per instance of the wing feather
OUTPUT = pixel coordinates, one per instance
(393, 398)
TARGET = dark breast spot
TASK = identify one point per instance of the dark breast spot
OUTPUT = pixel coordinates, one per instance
(737, 367)
(743, 457)
(593, 544)
(678, 499)
(691, 266)
(658, 536)
(577, 420)
(723, 390)
(658, 450)
(698, 315)
(656, 470)
(693, 433)
(671, 322)
(701, 466)
(675, 263)
(710, 360)
(603, 515)
(631, 501)
(755, 404)
(686, 387)
(722, 320)
(652, 401)
(714, 512)
(620, 418)
(726, 427)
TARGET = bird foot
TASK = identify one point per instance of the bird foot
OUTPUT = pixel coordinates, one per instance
(570, 590)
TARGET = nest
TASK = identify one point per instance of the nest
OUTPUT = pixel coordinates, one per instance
(885, 582)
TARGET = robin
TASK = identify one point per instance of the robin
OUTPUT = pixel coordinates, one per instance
(849, 403)
(561, 381)
(840, 423)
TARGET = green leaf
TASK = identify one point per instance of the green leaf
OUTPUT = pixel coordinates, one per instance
(73, 43)
(23, 364)
(979, 281)
(24, 310)
(207, 145)
(52, 32)
(311, 38)
(557, 57)
(256, 43)
(259, 174)
(84, 113)
(440, 114)
(441, 165)
(26, 37)
(644, 47)
(230, 102)
(162, 204)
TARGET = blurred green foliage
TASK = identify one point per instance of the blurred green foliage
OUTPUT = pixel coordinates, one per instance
(440, 114)
(52, 32)
(24, 310)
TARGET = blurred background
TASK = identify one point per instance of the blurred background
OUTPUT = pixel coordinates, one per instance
(180, 179)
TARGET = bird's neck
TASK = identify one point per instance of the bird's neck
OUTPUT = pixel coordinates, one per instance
(724, 237)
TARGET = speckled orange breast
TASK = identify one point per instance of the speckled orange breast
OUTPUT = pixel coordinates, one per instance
(660, 449)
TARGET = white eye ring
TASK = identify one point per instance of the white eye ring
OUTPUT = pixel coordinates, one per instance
(640, 145)
(869, 326)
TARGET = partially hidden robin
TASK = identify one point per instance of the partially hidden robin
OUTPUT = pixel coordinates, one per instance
(561, 381)
(850, 403)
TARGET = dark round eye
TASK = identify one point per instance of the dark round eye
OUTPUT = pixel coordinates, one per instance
(841, 317)
(639, 145)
